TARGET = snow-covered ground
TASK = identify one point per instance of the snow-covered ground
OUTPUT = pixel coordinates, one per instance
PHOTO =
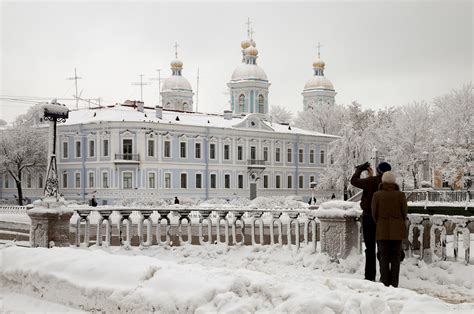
(225, 279)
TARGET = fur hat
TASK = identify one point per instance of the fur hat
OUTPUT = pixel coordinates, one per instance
(383, 167)
(389, 177)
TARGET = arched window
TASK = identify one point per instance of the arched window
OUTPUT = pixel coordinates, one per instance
(241, 103)
(185, 106)
(261, 104)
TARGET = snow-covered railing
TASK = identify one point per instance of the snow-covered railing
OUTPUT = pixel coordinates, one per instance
(229, 226)
(434, 229)
(439, 196)
(14, 209)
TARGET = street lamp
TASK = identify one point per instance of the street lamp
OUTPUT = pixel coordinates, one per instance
(312, 185)
(53, 112)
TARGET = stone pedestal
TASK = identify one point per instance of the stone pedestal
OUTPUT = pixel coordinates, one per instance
(50, 220)
(339, 236)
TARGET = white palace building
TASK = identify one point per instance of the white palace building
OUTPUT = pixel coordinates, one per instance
(133, 151)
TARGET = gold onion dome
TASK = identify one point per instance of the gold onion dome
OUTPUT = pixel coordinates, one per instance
(176, 64)
(319, 64)
(251, 51)
(245, 44)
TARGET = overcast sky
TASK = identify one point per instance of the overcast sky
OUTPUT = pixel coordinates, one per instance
(379, 54)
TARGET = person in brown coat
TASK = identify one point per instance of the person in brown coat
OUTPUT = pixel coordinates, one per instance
(389, 210)
(369, 186)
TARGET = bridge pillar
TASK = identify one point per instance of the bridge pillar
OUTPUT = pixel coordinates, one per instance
(50, 222)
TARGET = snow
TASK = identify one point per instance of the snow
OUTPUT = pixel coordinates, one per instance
(215, 278)
(246, 71)
(338, 209)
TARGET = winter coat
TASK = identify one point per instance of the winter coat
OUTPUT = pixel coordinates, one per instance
(369, 186)
(389, 210)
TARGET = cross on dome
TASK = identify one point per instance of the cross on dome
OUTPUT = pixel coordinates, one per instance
(319, 49)
(176, 49)
(248, 27)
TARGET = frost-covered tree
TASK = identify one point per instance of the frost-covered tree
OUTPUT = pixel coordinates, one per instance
(23, 150)
(281, 115)
(324, 118)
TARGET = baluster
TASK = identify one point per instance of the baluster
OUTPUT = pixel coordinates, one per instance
(184, 215)
(125, 217)
(145, 218)
(311, 220)
(222, 217)
(276, 219)
(83, 216)
(205, 217)
(466, 242)
(416, 221)
(359, 234)
(238, 217)
(293, 218)
(104, 216)
(256, 218)
(163, 216)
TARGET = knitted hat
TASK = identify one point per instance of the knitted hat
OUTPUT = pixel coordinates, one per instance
(389, 177)
(384, 167)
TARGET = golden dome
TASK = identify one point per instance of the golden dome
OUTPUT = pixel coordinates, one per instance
(319, 64)
(251, 51)
(245, 44)
(253, 43)
(176, 64)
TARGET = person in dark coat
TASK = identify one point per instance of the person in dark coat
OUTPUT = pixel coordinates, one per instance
(369, 186)
(176, 200)
(93, 201)
(389, 210)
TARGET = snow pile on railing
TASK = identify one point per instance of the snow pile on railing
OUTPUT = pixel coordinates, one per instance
(338, 209)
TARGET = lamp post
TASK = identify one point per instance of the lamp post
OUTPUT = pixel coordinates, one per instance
(312, 184)
(53, 112)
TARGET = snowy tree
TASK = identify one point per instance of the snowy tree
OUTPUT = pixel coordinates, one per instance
(324, 118)
(280, 114)
(23, 150)
(3, 122)
(33, 116)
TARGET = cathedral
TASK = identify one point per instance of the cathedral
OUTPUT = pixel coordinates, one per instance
(131, 150)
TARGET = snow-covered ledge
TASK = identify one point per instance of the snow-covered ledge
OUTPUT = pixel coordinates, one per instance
(339, 229)
(49, 222)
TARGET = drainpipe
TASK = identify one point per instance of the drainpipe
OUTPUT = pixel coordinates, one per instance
(206, 160)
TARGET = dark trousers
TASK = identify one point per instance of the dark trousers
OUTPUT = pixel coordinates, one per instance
(390, 251)
(368, 229)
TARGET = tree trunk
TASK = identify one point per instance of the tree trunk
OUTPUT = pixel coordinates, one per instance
(20, 193)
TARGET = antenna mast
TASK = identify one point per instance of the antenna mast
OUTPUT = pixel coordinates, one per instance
(197, 91)
(141, 86)
(75, 78)
(159, 85)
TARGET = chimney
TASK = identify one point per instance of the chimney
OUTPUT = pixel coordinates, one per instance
(140, 106)
(159, 112)
(228, 114)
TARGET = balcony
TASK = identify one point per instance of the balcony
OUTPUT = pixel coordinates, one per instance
(127, 158)
(256, 164)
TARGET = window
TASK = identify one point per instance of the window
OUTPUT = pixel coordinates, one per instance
(213, 181)
(151, 180)
(277, 182)
(311, 180)
(261, 104)
(301, 182)
(105, 148)
(197, 150)
(151, 148)
(64, 180)
(289, 155)
(65, 150)
(198, 180)
(28, 181)
(241, 103)
(78, 149)
(127, 180)
(167, 180)
(167, 149)
(445, 184)
(212, 151)
(253, 152)
(91, 148)
(311, 156)
(91, 179)
(277, 154)
(240, 152)
(241, 181)
(40, 181)
(226, 151)
(77, 180)
(105, 180)
(290, 182)
(323, 155)
(182, 149)
(227, 181)
(6, 181)
(265, 182)
(265, 153)
(184, 181)
(300, 155)
(127, 149)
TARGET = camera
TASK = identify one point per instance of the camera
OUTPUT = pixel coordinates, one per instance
(363, 166)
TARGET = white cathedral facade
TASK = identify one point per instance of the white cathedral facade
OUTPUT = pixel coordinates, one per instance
(134, 151)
